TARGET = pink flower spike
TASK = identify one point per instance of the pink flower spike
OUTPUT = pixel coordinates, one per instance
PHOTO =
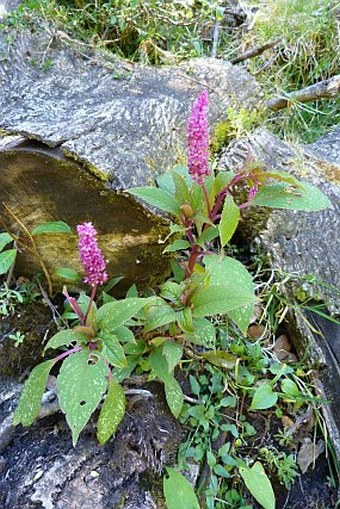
(90, 255)
(198, 139)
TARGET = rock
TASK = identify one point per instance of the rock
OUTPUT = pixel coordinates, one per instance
(41, 185)
(304, 244)
(42, 469)
(126, 122)
(7, 6)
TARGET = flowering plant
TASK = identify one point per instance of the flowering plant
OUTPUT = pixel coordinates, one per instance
(106, 344)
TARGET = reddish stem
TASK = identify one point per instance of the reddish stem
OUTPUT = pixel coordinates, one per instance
(93, 294)
(66, 354)
(74, 305)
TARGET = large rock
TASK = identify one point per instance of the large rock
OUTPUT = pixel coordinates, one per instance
(40, 468)
(126, 123)
(304, 244)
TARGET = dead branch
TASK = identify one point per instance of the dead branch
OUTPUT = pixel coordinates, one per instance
(327, 88)
(253, 52)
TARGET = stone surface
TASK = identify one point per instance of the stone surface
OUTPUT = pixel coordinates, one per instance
(40, 468)
(39, 186)
(126, 122)
(301, 243)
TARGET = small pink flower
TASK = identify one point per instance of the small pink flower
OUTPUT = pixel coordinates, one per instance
(198, 139)
(90, 255)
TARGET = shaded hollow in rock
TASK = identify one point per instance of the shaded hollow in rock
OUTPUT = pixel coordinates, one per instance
(38, 186)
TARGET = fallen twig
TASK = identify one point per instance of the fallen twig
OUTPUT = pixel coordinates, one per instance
(327, 88)
(253, 52)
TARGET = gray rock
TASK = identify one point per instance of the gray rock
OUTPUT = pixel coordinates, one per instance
(40, 468)
(301, 244)
(7, 6)
(126, 122)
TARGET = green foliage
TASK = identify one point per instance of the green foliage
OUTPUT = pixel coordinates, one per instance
(51, 227)
(81, 384)
(178, 492)
(29, 403)
(112, 412)
(307, 53)
(259, 485)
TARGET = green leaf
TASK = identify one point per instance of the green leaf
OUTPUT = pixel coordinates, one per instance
(264, 398)
(204, 333)
(306, 197)
(157, 197)
(166, 181)
(30, 399)
(195, 386)
(5, 239)
(124, 334)
(223, 178)
(220, 358)
(173, 353)
(219, 299)
(112, 412)
(158, 316)
(185, 320)
(177, 245)
(66, 337)
(178, 492)
(51, 227)
(113, 314)
(207, 235)
(181, 188)
(229, 220)
(68, 274)
(113, 351)
(228, 270)
(290, 388)
(173, 391)
(7, 258)
(171, 291)
(80, 386)
(259, 485)
(174, 396)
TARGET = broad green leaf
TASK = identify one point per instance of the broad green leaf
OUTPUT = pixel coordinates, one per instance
(7, 258)
(173, 353)
(173, 391)
(157, 197)
(177, 245)
(222, 179)
(83, 302)
(178, 492)
(195, 386)
(171, 291)
(124, 334)
(113, 314)
(181, 188)
(174, 396)
(229, 220)
(207, 235)
(157, 316)
(257, 482)
(228, 270)
(219, 299)
(165, 180)
(30, 399)
(220, 358)
(264, 398)
(5, 239)
(112, 412)
(66, 337)
(52, 227)
(185, 320)
(80, 386)
(204, 333)
(68, 274)
(290, 388)
(282, 196)
(113, 351)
